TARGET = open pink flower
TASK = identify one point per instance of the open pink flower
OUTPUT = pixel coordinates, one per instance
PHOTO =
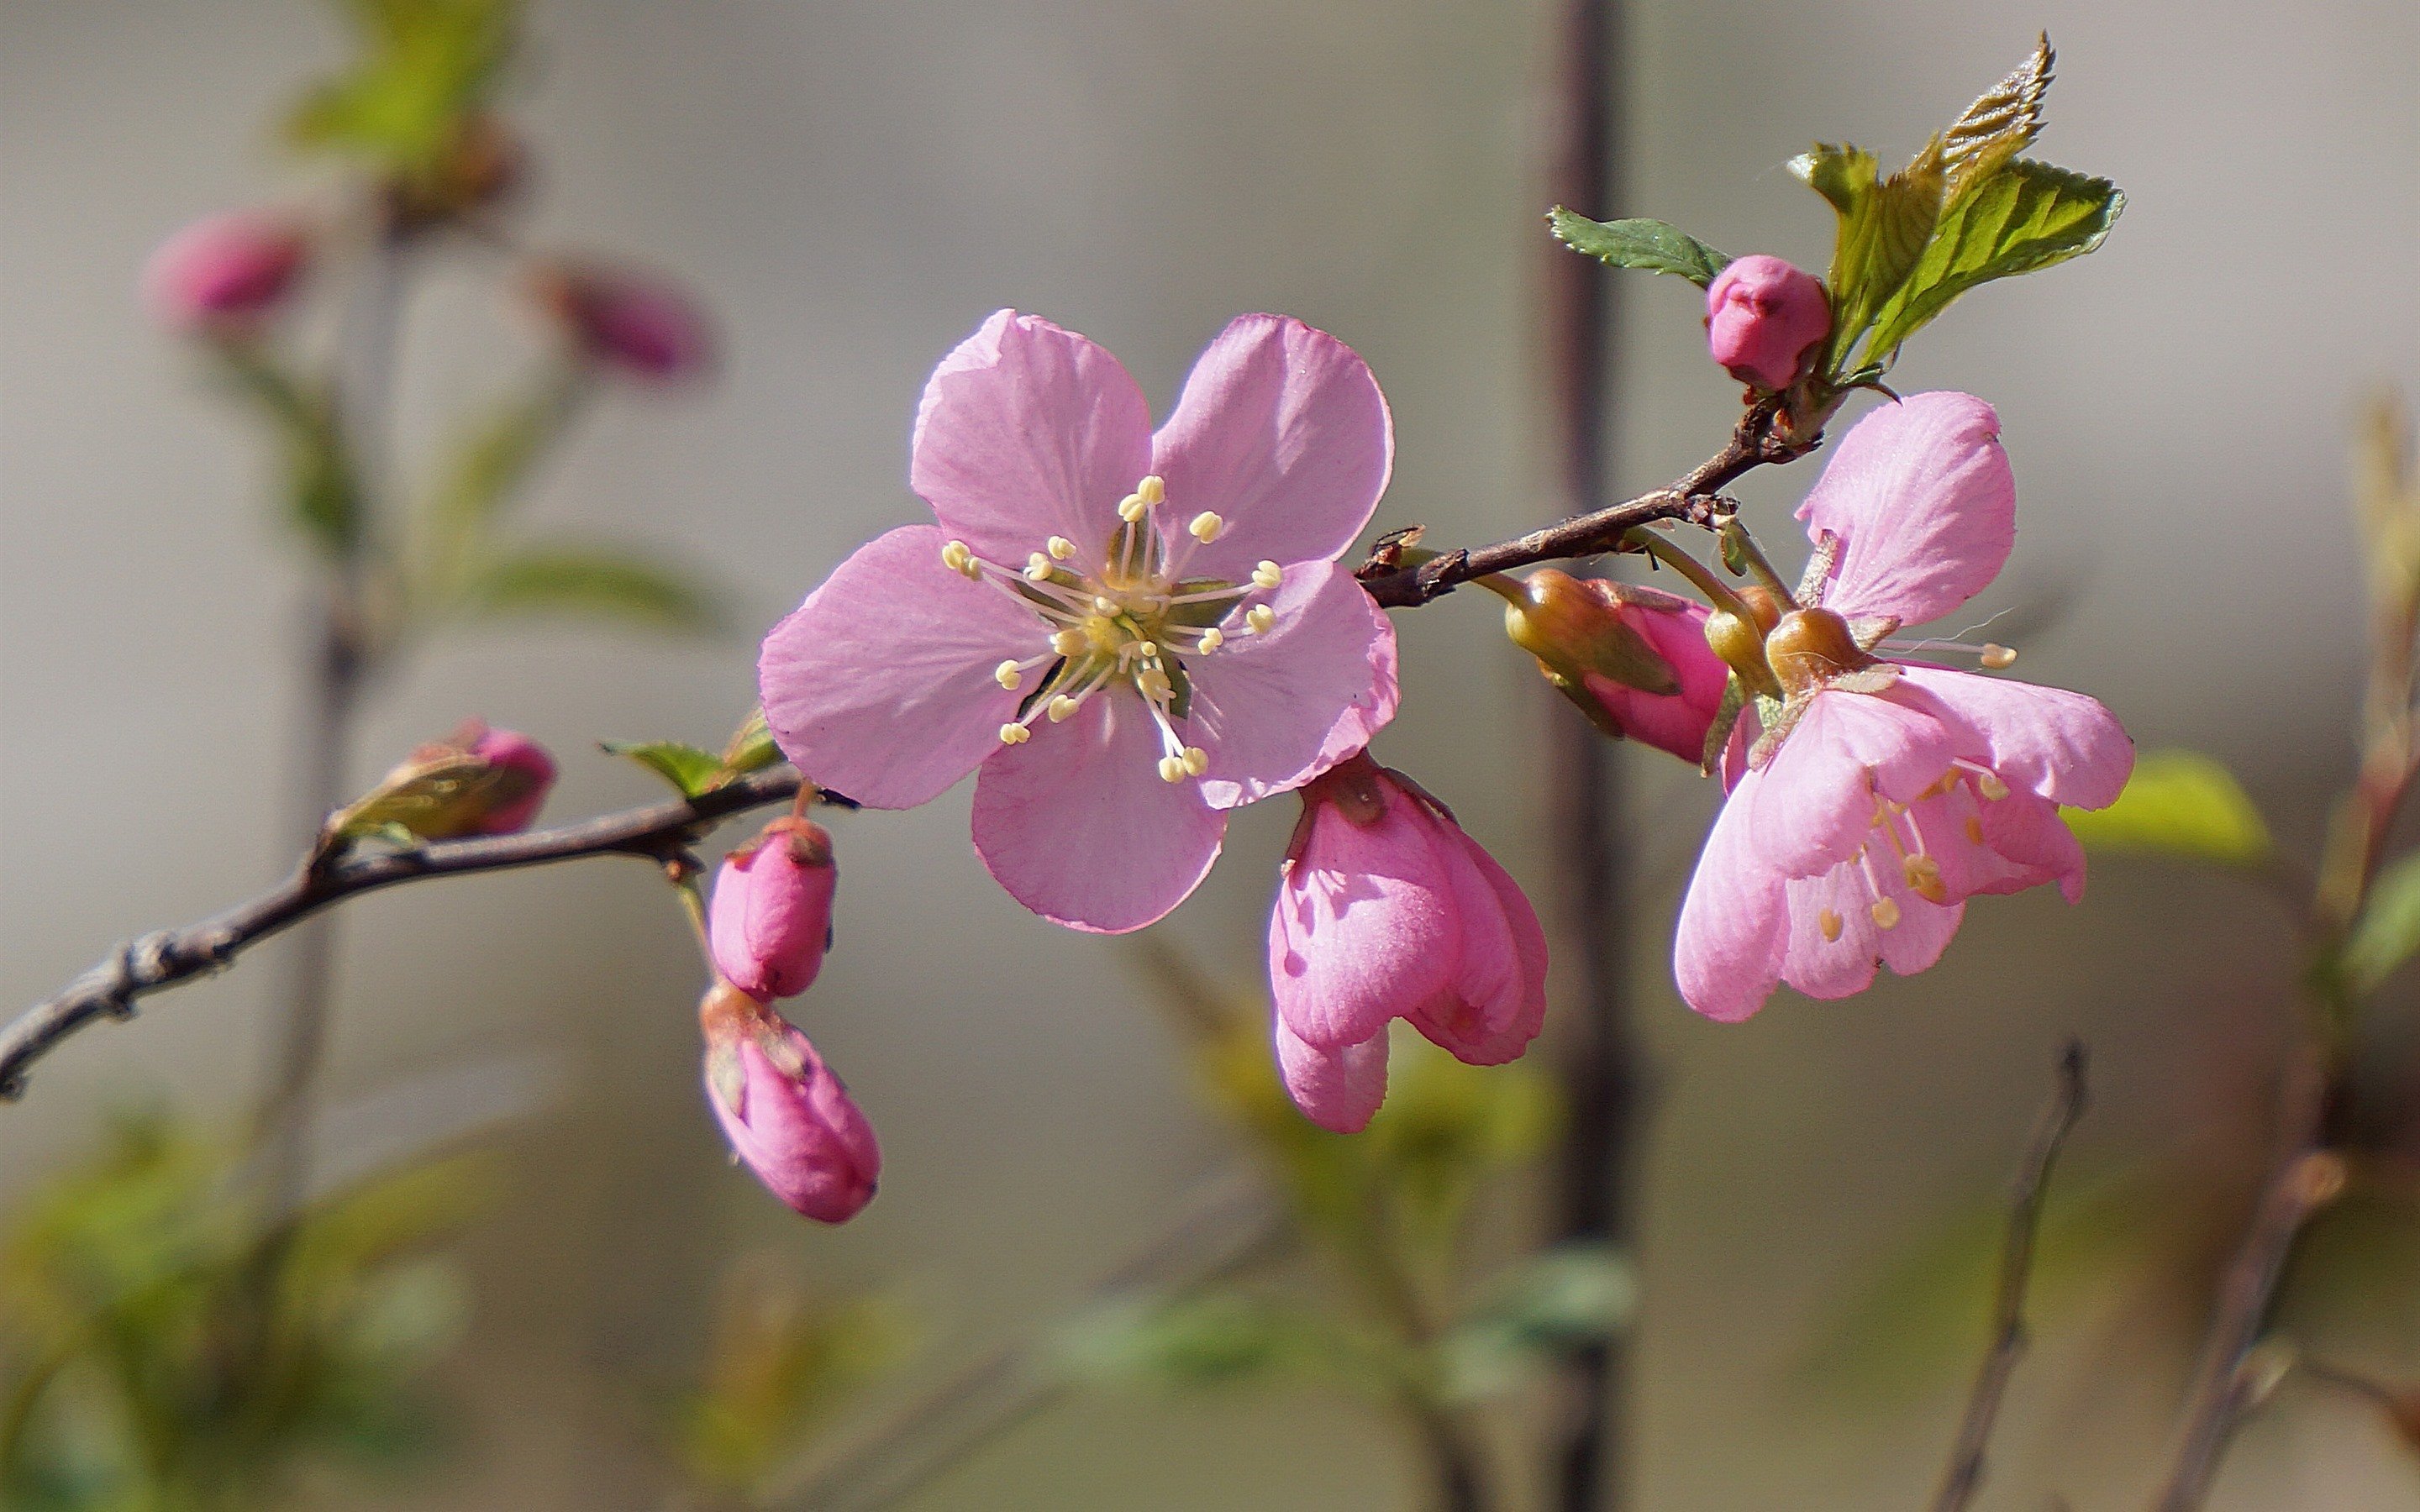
(1386, 910)
(1884, 793)
(783, 1111)
(1129, 633)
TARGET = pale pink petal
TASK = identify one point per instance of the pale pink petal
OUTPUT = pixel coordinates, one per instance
(1921, 498)
(1364, 927)
(1273, 711)
(2029, 832)
(1027, 431)
(1337, 1089)
(1283, 432)
(1950, 829)
(880, 685)
(1842, 967)
(1497, 1002)
(1816, 803)
(1077, 825)
(1727, 952)
(2064, 746)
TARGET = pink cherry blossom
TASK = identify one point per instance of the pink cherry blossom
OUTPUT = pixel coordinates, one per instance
(1763, 316)
(1386, 910)
(770, 922)
(1884, 793)
(226, 271)
(1129, 633)
(783, 1111)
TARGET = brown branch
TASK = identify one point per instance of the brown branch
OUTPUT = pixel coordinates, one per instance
(659, 832)
(2009, 1335)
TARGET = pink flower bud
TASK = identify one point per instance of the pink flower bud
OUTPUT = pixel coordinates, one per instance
(637, 325)
(523, 773)
(1387, 910)
(225, 271)
(783, 1111)
(1762, 316)
(1635, 660)
(475, 781)
(771, 919)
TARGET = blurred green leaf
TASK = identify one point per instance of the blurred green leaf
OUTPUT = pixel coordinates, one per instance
(1884, 225)
(423, 66)
(751, 748)
(2389, 928)
(1545, 1307)
(323, 499)
(582, 580)
(1652, 245)
(2023, 216)
(489, 469)
(1218, 1338)
(690, 770)
(2179, 803)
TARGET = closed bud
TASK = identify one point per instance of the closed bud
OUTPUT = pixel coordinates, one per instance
(475, 781)
(1763, 316)
(226, 274)
(1739, 646)
(1633, 659)
(632, 324)
(770, 922)
(1810, 647)
(787, 1117)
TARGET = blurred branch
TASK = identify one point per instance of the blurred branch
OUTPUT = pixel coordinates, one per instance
(658, 832)
(2009, 1336)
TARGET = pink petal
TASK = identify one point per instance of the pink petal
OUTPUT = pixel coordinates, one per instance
(1027, 431)
(1365, 927)
(1337, 1089)
(880, 685)
(1727, 952)
(1077, 825)
(1273, 711)
(1816, 803)
(1281, 431)
(2046, 740)
(1497, 1002)
(1842, 967)
(1920, 495)
(2029, 834)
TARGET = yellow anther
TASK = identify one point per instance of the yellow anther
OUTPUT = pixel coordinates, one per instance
(1989, 785)
(1061, 707)
(1153, 489)
(1205, 527)
(1998, 657)
(1924, 878)
(1196, 761)
(1154, 686)
(1105, 605)
(1829, 922)
(1037, 568)
(1171, 768)
(1147, 650)
(1060, 548)
(1132, 507)
(959, 556)
(1211, 638)
(1975, 829)
(1259, 618)
(1267, 575)
(1008, 674)
(1885, 912)
(1068, 642)
(1014, 735)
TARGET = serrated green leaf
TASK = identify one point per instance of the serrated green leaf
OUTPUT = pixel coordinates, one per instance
(2179, 803)
(690, 770)
(751, 748)
(2023, 216)
(2389, 928)
(1654, 245)
(1884, 227)
(583, 580)
(2001, 122)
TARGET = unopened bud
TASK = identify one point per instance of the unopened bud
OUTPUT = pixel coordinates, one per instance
(476, 781)
(633, 324)
(1632, 659)
(1763, 316)
(225, 273)
(1762, 606)
(783, 1111)
(1810, 647)
(770, 922)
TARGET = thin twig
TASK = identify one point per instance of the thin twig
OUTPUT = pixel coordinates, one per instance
(2009, 1335)
(167, 957)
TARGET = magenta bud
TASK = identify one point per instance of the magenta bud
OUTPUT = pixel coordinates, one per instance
(523, 773)
(633, 324)
(783, 1111)
(225, 271)
(1763, 317)
(769, 922)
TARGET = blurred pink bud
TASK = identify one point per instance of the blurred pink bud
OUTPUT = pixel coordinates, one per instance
(1762, 315)
(523, 773)
(475, 781)
(770, 920)
(641, 326)
(783, 1111)
(224, 271)
(1387, 910)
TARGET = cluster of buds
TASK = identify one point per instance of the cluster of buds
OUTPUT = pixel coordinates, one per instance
(769, 925)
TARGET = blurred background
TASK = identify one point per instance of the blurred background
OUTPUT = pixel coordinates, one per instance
(850, 189)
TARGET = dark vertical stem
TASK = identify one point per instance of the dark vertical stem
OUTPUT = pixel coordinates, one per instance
(1602, 1063)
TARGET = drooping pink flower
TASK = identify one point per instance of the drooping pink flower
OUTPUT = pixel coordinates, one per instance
(1387, 910)
(1129, 633)
(226, 271)
(770, 922)
(1763, 316)
(783, 1111)
(641, 326)
(1884, 793)
(524, 774)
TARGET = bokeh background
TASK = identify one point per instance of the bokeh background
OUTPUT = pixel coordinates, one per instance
(852, 188)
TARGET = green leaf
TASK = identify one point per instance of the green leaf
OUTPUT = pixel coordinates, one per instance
(2023, 216)
(590, 580)
(2179, 803)
(690, 770)
(1549, 1305)
(1654, 245)
(489, 468)
(2389, 928)
(322, 499)
(751, 748)
(2001, 122)
(1884, 225)
(1218, 1338)
(423, 66)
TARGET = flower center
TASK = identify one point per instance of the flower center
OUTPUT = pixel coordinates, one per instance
(1129, 619)
(1895, 843)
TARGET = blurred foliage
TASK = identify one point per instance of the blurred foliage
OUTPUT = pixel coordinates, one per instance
(162, 1350)
(424, 68)
(2181, 804)
(2389, 928)
(580, 579)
